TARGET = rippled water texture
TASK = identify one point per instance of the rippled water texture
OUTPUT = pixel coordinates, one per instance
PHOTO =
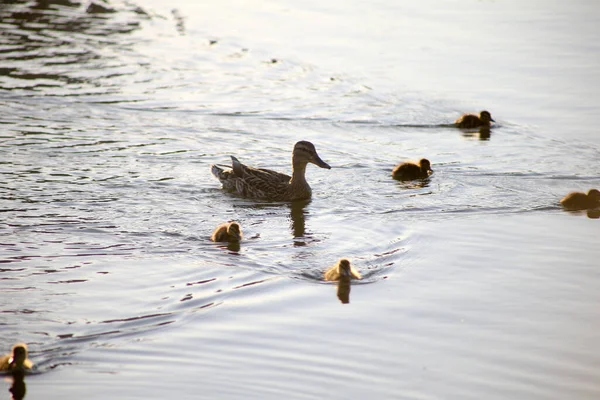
(476, 284)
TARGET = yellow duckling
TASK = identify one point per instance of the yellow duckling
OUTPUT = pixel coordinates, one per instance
(581, 201)
(408, 171)
(227, 232)
(17, 360)
(473, 121)
(266, 184)
(341, 270)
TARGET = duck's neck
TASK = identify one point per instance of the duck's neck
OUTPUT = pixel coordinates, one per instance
(298, 183)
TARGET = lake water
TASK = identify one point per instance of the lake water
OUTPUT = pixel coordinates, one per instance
(476, 283)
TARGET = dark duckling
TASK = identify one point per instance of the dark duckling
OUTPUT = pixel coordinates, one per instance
(17, 359)
(227, 232)
(473, 121)
(581, 201)
(341, 270)
(408, 171)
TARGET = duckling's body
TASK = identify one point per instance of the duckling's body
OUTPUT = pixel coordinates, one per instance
(408, 171)
(581, 201)
(227, 232)
(468, 121)
(17, 359)
(341, 270)
(266, 184)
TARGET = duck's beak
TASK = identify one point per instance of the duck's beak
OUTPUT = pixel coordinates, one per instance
(492, 119)
(319, 163)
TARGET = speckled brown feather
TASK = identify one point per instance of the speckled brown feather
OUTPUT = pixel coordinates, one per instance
(266, 184)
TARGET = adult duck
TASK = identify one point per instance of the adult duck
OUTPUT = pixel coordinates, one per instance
(266, 184)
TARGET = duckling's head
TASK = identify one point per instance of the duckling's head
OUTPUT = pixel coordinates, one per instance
(234, 231)
(344, 268)
(425, 165)
(594, 194)
(305, 152)
(485, 116)
(19, 354)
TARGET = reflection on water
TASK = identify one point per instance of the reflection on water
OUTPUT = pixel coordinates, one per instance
(483, 133)
(234, 247)
(415, 184)
(18, 387)
(62, 44)
(106, 198)
(343, 290)
(593, 214)
(297, 218)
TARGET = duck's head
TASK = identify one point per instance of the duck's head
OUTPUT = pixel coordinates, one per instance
(425, 166)
(19, 354)
(305, 152)
(344, 268)
(594, 194)
(234, 231)
(485, 116)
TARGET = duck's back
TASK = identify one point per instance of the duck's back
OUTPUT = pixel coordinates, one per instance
(576, 201)
(257, 183)
(4, 362)
(406, 171)
(332, 274)
(469, 121)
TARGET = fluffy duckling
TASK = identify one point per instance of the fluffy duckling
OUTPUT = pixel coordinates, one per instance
(408, 171)
(473, 121)
(17, 359)
(581, 201)
(227, 232)
(341, 270)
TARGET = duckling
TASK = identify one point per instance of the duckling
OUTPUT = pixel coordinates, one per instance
(341, 270)
(473, 121)
(227, 232)
(580, 201)
(266, 184)
(17, 360)
(408, 171)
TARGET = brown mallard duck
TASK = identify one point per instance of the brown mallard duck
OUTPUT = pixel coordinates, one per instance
(341, 270)
(473, 121)
(17, 359)
(408, 171)
(266, 184)
(581, 201)
(227, 232)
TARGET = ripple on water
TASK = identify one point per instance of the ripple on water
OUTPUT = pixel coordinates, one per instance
(108, 204)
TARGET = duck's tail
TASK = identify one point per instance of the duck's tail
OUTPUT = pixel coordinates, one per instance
(217, 171)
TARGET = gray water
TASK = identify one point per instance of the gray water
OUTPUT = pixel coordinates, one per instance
(476, 283)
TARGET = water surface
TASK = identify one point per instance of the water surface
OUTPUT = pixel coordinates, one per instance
(475, 282)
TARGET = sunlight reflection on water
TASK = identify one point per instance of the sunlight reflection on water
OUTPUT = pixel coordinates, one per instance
(474, 281)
